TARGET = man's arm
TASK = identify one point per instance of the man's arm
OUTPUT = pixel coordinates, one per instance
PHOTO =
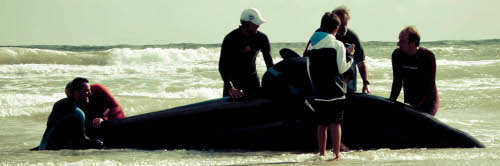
(359, 56)
(266, 52)
(397, 83)
(430, 80)
(364, 76)
(113, 111)
(224, 61)
(343, 62)
(396, 89)
(116, 112)
(225, 64)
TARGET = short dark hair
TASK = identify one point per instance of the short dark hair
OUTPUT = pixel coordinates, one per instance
(329, 22)
(341, 11)
(76, 84)
(413, 34)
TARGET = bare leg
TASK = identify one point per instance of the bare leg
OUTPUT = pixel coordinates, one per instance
(336, 134)
(322, 139)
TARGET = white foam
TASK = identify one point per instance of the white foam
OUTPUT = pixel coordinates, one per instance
(46, 70)
(450, 49)
(466, 63)
(199, 93)
(13, 104)
(386, 63)
(127, 56)
(476, 123)
(15, 55)
(115, 56)
(468, 84)
(378, 63)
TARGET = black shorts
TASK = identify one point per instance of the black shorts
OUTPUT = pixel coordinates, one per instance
(328, 112)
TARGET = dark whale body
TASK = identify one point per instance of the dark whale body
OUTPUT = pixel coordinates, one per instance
(278, 120)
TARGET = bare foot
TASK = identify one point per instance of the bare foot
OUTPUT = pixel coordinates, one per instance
(335, 159)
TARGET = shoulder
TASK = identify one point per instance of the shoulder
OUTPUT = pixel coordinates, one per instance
(99, 90)
(426, 52)
(97, 87)
(352, 34)
(396, 52)
(337, 44)
(64, 101)
(262, 35)
(62, 105)
(232, 34)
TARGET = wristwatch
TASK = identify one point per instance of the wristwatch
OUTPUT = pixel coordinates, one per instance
(366, 82)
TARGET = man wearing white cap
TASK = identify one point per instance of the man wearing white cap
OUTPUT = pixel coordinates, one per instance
(238, 54)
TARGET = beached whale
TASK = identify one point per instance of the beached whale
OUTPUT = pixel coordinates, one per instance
(370, 122)
(279, 120)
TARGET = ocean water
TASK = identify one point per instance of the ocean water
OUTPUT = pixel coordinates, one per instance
(149, 78)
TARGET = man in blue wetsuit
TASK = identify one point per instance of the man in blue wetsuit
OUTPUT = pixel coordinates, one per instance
(238, 54)
(66, 123)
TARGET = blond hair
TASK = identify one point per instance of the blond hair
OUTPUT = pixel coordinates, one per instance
(412, 33)
(341, 11)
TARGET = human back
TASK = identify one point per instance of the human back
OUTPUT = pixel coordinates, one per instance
(66, 123)
(65, 126)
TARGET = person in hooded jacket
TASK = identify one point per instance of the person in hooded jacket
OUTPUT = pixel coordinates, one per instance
(326, 63)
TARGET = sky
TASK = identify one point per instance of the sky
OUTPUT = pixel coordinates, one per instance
(144, 22)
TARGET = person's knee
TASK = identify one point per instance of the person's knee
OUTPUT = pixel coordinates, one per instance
(321, 127)
(334, 126)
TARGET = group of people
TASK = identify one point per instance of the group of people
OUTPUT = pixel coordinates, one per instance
(75, 120)
(333, 52)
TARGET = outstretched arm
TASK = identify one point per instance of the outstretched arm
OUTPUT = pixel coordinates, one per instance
(397, 83)
(364, 76)
(430, 80)
(224, 61)
(266, 52)
(225, 67)
(359, 56)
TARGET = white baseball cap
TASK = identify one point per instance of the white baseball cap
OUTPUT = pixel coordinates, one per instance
(252, 15)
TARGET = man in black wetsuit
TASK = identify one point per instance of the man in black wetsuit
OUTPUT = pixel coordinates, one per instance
(346, 35)
(238, 54)
(65, 126)
(414, 71)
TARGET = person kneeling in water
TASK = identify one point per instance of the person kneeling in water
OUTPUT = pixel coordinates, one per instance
(101, 106)
(66, 123)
